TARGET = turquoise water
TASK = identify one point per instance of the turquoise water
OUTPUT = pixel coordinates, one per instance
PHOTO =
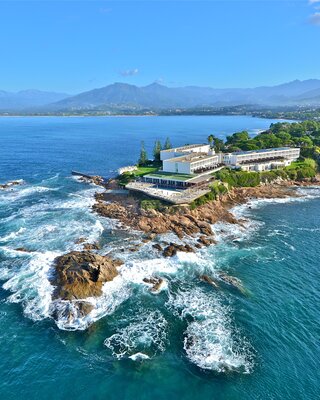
(201, 343)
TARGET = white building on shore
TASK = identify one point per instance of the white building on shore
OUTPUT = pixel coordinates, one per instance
(261, 160)
(193, 165)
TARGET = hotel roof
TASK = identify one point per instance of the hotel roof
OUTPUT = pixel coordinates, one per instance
(192, 157)
(186, 147)
(264, 150)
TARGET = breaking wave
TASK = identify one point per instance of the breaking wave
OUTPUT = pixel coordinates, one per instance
(211, 342)
(142, 338)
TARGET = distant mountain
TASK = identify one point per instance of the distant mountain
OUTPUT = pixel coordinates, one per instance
(159, 97)
(156, 96)
(27, 99)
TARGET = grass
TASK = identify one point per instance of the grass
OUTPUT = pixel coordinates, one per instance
(144, 170)
(173, 176)
(295, 165)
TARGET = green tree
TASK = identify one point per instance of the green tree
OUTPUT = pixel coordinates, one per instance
(216, 143)
(167, 144)
(156, 150)
(143, 159)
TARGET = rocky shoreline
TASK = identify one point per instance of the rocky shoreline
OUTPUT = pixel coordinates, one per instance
(181, 220)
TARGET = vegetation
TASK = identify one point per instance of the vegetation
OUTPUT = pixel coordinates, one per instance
(216, 143)
(143, 159)
(305, 135)
(216, 189)
(156, 150)
(152, 205)
(296, 171)
(167, 144)
(127, 177)
(238, 178)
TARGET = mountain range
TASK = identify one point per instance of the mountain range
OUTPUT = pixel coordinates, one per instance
(26, 99)
(157, 97)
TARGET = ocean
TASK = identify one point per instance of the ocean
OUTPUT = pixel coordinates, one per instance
(190, 341)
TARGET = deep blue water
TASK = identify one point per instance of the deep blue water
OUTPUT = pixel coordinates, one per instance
(269, 338)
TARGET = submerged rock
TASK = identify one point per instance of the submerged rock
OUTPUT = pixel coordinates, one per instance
(23, 249)
(232, 281)
(139, 357)
(81, 274)
(208, 279)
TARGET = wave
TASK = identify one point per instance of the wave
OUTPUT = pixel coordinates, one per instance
(12, 235)
(18, 193)
(210, 340)
(30, 285)
(144, 337)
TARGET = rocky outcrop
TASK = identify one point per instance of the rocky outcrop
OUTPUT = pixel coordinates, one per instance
(206, 240)
(95, 179)
(91, 246)
(155, 282)
(173, 248)
(81, 274)
(10, 184)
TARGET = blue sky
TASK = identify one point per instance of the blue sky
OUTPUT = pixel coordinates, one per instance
(73, 46)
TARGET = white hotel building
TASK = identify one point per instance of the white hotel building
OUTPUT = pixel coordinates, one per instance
(261, 160)
(193, 164)
(191, 159)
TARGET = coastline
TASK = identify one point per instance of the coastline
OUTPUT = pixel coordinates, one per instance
(188, 226)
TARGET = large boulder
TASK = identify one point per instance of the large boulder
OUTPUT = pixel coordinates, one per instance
(81, 274)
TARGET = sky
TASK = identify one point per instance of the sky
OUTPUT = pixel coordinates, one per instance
(74, 46)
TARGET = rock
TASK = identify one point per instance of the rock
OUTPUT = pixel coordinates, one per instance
(169, 251)
(156, 283)
(80, 240)
(84, 308)
(91, 246)
(205, 228)
(10, 184)
(81, 274)
(96, 179)
(206, 241)
(208, 279)
(173, 248)
(23, 249)
(232, 281)
(157, 246)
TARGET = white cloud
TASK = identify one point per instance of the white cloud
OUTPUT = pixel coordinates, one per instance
(315, 19)
(129, 72)
(314, 1)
